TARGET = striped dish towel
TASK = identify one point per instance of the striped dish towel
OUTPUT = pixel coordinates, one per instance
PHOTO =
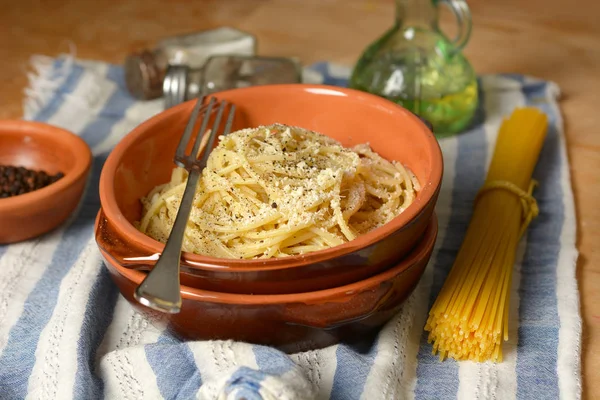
(65, 332)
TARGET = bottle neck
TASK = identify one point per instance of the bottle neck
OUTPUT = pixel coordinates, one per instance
(416, 13)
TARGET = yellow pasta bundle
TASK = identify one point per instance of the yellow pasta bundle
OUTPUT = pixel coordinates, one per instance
(469, 318)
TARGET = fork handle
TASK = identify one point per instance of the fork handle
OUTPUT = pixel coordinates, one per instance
(159, 290)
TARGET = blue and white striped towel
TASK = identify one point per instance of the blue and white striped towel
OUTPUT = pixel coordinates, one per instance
(65, 332)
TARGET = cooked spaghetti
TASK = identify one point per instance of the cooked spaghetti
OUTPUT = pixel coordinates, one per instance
(276, 191)
(469, 318)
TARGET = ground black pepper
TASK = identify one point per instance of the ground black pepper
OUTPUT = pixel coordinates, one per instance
(19, 180)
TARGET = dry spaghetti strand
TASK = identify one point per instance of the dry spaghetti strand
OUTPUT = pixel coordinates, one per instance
(469, 319)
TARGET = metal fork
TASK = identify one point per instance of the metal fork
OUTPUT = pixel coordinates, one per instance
(160, 290)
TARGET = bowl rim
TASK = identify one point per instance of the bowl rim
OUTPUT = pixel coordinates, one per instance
(82, 156)
(424, 246)
(428, 189)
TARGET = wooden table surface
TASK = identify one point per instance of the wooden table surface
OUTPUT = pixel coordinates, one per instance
(550, 39)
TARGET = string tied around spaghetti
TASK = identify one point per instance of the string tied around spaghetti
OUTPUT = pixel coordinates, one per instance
(528, 202)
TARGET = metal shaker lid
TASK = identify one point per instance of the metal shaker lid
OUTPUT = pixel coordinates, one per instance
(175, 85)
(143, 76)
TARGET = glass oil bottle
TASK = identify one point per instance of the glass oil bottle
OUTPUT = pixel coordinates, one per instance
(416, 66)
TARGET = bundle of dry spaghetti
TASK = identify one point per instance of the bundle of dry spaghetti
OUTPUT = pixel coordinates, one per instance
(469, 318)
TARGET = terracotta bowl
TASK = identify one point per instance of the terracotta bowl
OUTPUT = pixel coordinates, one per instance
(291, 322)
(39, 146)
(143, 159)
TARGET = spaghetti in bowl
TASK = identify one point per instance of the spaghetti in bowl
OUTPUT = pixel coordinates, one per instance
(143, 160)
(277, 191)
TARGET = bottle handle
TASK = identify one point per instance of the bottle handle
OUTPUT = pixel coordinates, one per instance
(461, 11)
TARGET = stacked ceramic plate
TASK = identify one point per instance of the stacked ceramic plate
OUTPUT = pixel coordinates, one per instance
(296, 302)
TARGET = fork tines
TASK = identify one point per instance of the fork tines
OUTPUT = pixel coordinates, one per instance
(201, 143)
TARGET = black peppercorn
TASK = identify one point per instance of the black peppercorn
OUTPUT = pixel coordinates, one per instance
(20, 180)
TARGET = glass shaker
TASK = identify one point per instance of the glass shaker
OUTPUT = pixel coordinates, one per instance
(415, 65)
(224, 72)
(146, 70)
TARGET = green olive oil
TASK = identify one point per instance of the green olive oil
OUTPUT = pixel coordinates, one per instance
(417, 67)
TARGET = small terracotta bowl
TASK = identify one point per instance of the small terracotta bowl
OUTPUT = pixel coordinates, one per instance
(40, 146)
(291, 322)
(144, 159)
